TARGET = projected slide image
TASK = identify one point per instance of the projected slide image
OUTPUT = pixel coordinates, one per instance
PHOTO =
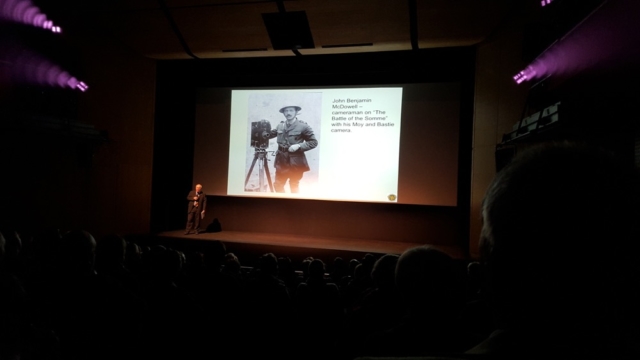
(284, 158)
(331, 144)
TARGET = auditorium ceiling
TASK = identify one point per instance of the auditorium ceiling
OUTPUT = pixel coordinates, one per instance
(183, 29)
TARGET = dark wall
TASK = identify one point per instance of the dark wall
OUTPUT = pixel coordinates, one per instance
(173, 145)
(78, 160)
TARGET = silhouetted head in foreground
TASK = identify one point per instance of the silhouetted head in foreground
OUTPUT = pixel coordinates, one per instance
(559, 251)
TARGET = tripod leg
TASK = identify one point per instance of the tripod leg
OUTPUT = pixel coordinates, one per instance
(261, 171)
(266, 169)
(253, 163)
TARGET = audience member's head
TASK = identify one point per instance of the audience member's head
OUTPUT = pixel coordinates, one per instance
(133, 257)
(305, 267)
(44, 247)
(231, 264)
(359, 272)
(269, 264)
(10, 251)
(285, 268)
(194, 261)
(429, 282)
(164, 263)
(384, 272)
(368, 260)
(13, 244)
(76, 253)
(474, 278)
(214, 252)
(352, 266)
(316, 269)
(558, 247)
(339, 268)
(3, 243)
(110, 251)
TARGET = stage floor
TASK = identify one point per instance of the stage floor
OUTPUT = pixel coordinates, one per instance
(304, 244)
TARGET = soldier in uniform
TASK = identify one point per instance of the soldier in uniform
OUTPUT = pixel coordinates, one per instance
(294, 138)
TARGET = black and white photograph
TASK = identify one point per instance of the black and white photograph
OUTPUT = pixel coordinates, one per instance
(283, 132)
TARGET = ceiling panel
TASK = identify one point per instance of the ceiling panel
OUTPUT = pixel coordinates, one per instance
(232, 28)
(212, 3)
(335, 22)
(444, 23)
(214, 29)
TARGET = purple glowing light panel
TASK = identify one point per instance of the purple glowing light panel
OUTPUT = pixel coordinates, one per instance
(23, 11)
(519, 77)
(526, 74)
(82, 86)
(545, 2)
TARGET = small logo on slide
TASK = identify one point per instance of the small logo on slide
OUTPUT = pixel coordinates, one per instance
(391, 197)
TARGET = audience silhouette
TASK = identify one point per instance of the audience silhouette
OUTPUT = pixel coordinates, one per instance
(560, 256)
(558, 276)
(430, 288)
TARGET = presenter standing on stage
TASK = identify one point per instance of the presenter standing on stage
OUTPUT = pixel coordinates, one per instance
(196, 208)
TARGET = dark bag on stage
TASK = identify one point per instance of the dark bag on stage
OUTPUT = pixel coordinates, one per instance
(215, 226)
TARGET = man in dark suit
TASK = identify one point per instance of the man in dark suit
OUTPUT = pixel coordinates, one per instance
(195, 211)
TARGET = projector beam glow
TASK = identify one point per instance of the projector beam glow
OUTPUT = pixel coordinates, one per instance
(23, 11)
(606, 38)
(30, 68)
